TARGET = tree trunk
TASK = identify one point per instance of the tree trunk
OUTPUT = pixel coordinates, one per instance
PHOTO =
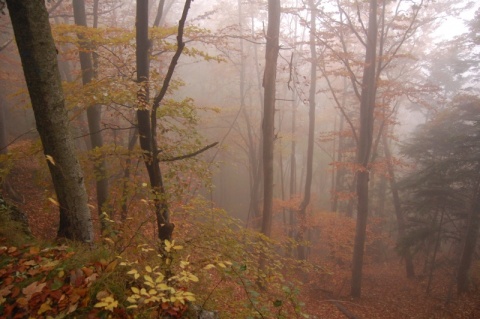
(269, 85)
(470, 243)
(398, 207)
(94, 114)
(340, 171)
(311, 133)
(145, 130)
(38, 54)
(367, 105)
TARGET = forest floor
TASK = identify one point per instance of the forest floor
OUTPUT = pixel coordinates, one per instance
(386, 292)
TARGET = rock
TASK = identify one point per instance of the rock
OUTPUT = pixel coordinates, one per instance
(197, 312)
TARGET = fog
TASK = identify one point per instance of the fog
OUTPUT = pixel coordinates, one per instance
(422, 156)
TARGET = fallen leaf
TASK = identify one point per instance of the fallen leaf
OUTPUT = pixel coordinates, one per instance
(32, 289)
(44, 307)
(72, 308)
(34, 250)
(102, 294)
(5, 291)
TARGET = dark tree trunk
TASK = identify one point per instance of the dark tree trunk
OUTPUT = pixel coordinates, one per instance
(146, 133)
(470, 243)
(269, 85)
(311, 134)
(94, 113)
(39, 59)
(147, 121)
(398, 207)
(367, 105)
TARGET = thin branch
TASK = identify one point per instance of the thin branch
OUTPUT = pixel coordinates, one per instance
(177, 158)
(171, 68)
(17, 138)
(104, 129)
(87, 13)
(3, 46)
(55, 6)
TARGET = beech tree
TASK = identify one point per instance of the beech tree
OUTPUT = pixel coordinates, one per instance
(311, 130)
(268, 126)
(38, 55)
(94, 112)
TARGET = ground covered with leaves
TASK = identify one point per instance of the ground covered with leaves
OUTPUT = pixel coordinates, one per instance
(121, 276)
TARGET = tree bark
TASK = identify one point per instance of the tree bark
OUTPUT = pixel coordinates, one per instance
(311, 133)
(38, 55)
(269, 85)
(470, 243)
(147, 140)
(94, 113)
(397, 206)
(367, 105)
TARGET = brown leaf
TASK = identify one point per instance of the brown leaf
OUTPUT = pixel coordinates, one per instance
(33, 288)
(5, 291)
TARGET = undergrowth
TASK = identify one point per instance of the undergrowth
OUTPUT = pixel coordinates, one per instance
(212, 264)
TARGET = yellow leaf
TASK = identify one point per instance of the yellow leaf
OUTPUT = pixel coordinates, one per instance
(148, 278)
(209, 266)
(159, 278)
(193, 278)
(50, 159)
(131, 300)
(152, 292)
(148, 269)
(54, 202)
(44, 307)
(111, 266)
(135, 290)
(162, 287)
(101, 304)
(109, 240)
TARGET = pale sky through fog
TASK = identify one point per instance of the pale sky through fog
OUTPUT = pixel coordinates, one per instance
(454, 26)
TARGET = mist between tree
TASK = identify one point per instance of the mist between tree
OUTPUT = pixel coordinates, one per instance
(239, 159)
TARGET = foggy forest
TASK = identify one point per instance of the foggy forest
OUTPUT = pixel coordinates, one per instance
(239, 159)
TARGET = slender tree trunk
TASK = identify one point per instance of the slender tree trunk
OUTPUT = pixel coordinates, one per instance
(293, 173)
(38, 55)
(435, 250)
(269, 85)
(158, 17)
(469, 244)
(367, 105)
(398, 207)
(94, 114)
(253, 213)
(145, 129)
(147, 122)
(340, 171)
(311, 133)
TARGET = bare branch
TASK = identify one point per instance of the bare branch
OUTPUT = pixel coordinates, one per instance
(177, 158)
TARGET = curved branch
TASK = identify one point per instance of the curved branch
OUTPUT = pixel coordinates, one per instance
(177, 158)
